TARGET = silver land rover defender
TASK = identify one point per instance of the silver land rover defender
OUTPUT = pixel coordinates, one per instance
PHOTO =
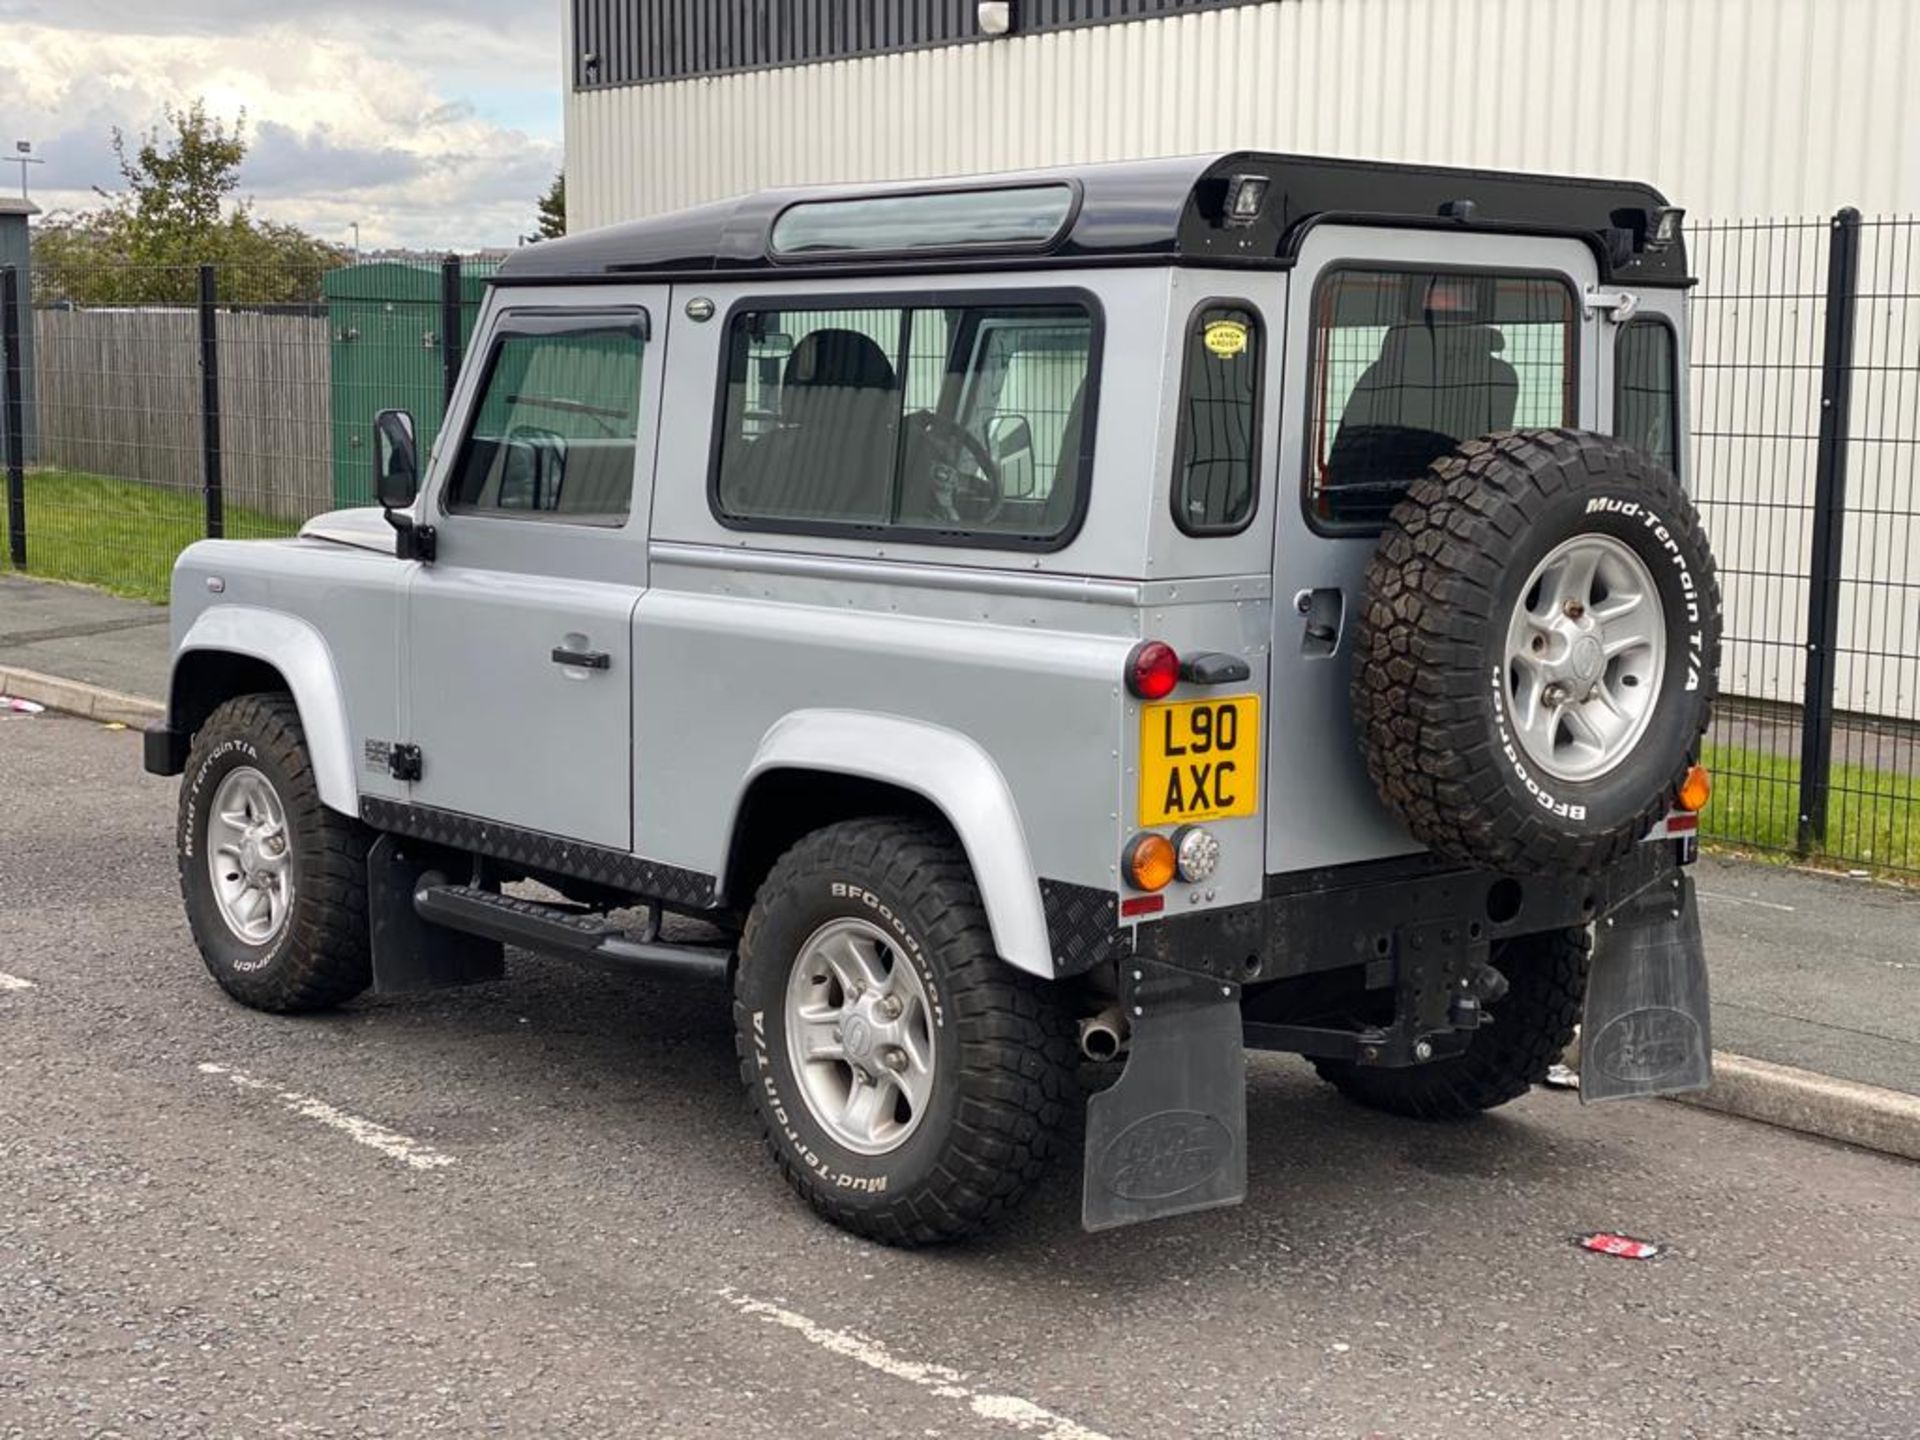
(1133, 613)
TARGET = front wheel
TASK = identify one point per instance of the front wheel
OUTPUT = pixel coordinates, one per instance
(275, 884)
(909, 1083)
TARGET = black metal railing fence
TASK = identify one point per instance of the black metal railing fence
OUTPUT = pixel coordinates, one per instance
(179, 402)
(1805, 380)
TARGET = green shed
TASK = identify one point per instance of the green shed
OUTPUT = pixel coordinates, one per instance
(386, 354)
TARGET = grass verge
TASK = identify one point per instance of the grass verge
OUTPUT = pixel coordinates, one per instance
(121, 535)
(1873, 816)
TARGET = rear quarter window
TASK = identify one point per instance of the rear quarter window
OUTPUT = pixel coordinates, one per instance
(1646, 389)
(1216, 465)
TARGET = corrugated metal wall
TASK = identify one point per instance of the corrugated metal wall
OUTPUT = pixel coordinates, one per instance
(1734, 107)
(624, 42)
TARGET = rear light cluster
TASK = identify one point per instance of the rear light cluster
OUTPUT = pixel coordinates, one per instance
(1152, 670)
(1696, 789)
(1153, 862)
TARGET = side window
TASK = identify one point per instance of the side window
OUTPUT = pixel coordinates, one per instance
(1646, 395)
(555, 429)
(1215, 479)
(1407, 364)
(949, 423)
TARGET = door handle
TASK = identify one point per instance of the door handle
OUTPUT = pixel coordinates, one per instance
(584, 659)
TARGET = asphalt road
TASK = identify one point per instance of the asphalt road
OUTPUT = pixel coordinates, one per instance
(535, 1208)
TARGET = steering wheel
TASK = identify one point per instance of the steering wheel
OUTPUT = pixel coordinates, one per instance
(958, 494)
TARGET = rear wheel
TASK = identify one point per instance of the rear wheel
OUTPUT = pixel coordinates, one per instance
(909, 1082)
(1528, 1029)
(275, 883)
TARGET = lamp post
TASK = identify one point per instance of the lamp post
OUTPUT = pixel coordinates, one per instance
(23, 157)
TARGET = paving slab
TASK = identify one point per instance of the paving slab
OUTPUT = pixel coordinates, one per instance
(82, 634)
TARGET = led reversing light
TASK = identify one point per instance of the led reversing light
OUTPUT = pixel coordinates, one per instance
(1196, 852)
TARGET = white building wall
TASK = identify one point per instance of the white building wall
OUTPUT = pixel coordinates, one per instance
(1735, 108)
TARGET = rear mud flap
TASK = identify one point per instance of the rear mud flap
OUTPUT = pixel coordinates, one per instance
(1170, 1136)
(1647, 1029)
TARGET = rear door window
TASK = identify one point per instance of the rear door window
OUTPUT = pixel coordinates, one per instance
(1646, 394)
(1408, 364)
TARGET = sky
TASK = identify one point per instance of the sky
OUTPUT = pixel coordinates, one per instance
(432, 123)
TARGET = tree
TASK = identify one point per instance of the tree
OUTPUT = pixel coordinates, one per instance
(144, 244)
(177, 184)
(553, 210)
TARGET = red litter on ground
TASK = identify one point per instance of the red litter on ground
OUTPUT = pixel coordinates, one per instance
(1625, 1246)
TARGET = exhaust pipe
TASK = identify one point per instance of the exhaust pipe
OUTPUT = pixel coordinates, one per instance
(1103, 1036)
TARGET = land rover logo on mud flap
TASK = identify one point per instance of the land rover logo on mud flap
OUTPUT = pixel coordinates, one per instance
(1165, 1155)
(1645, 1046)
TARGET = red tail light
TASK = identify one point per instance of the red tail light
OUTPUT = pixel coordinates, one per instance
(1152, 670)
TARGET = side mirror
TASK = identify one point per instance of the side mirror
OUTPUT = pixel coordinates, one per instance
(396, 482)
(396, 461)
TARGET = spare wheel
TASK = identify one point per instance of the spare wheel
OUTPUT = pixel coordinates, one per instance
(1538, 651)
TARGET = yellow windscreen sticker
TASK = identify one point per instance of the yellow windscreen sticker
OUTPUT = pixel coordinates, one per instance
(1225, 338)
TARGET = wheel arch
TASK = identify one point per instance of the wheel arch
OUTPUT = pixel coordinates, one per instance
(816, 767)
(233, 650)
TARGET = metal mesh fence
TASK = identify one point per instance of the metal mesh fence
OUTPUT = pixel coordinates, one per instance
(177, 402)
(1806, 410)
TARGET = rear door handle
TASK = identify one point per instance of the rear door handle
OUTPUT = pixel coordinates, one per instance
(584, 659)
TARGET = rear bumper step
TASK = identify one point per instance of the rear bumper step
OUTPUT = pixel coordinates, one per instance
(535, 926)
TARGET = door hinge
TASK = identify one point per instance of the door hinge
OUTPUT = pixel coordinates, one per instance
(1619, 304)
(403, 762)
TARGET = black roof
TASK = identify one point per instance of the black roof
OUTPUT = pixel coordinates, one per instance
(1168, 211)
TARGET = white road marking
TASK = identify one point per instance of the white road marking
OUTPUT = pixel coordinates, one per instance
(391, 1143)
(14, 982)
(1744, 900)
(942, 1380)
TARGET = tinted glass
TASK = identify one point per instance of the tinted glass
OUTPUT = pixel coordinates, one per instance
(1214, 471)
(963, 420)
(1409, 364)
(555, 429)
(1646, 399)
(1027, 216)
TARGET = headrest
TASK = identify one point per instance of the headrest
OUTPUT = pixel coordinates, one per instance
(838, 358)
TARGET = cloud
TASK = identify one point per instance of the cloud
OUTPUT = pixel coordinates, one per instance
(347, 123)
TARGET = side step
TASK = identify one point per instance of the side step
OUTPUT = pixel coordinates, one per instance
(557, 931)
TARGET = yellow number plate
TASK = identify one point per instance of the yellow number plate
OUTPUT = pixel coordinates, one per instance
(1199, 760)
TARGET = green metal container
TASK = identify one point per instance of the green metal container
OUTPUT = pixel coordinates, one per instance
(386, 354)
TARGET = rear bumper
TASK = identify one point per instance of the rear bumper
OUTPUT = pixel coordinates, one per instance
(1357, 916)
(164, 750)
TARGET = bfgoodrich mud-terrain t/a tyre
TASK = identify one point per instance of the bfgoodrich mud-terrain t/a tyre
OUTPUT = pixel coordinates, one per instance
(1538, 652)
(1529, 1028)
(908, 1081)
(275, 883)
